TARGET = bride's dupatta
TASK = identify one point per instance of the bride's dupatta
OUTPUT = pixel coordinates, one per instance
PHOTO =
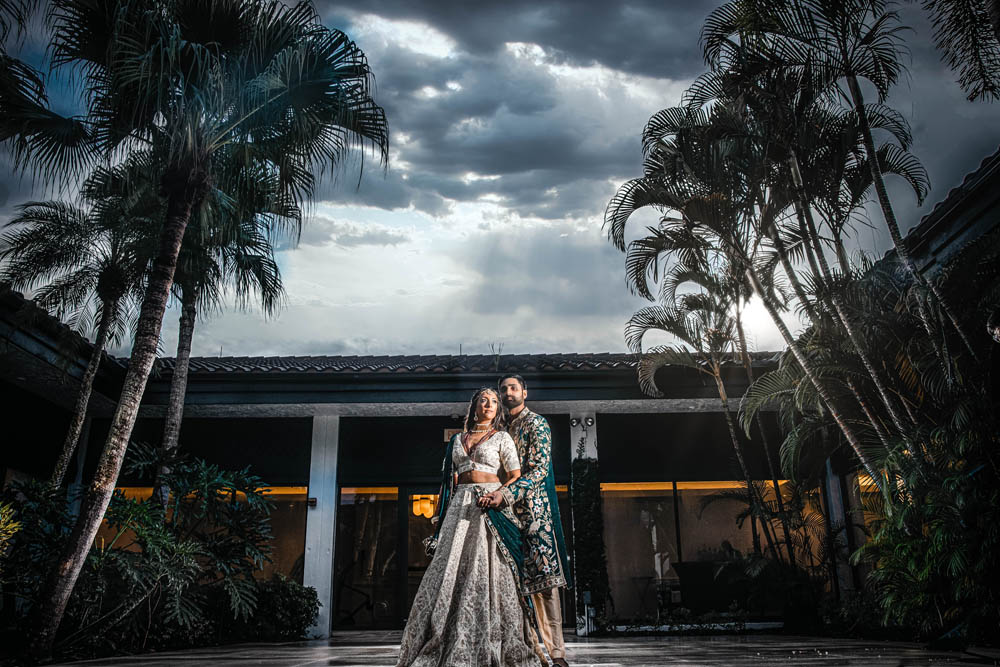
(501, 523)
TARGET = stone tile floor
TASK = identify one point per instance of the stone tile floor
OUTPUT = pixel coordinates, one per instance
(380, 648)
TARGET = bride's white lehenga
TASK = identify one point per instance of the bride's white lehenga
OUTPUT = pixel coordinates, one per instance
(468, 609)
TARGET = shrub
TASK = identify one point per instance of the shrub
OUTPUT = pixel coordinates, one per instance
(285, 610)
(158, 580)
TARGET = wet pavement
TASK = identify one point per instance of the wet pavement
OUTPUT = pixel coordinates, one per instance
(380, 648)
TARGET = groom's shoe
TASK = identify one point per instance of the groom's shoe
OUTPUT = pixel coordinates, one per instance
(560, 662)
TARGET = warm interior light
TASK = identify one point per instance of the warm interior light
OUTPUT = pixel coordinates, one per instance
(866, 483)
(272, 492)
(636, 486)
(708, 486)
(423, 505)
(379, 492)
(624, 487)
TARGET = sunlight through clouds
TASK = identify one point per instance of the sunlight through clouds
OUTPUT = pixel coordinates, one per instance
(411, 35)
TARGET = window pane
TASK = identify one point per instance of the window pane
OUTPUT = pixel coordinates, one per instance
(640, 537)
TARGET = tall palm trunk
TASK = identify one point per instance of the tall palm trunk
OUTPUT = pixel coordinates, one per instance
(108, 311)
(185, 189)
(755, 498)
(845, 263)
(880, 431)
(890, 216)
(800, 293)
(771, 468)
(820, 386)
(809, 251)
(178, 389)
(804, 211)
(793, 278)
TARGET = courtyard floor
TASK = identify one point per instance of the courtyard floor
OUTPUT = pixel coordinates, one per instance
(380, 648)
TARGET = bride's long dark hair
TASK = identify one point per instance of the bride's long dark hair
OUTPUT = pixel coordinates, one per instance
(499, 421)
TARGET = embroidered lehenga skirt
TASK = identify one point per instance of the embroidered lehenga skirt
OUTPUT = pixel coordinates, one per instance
(468, 610)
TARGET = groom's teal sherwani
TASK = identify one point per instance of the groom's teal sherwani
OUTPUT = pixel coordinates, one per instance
(533, 498)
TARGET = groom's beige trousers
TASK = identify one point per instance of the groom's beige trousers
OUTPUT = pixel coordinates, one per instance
(549, 615)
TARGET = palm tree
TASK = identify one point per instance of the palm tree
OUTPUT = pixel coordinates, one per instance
(731, 286)
(86, 263)
(223, 90)
(837, 42)
(40, 140)
(828, 141)
(967, 32)
(689, 168)
(239, 256)
(803, 130)
(703, 324)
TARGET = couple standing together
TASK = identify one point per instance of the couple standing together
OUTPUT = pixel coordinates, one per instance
(499, 557)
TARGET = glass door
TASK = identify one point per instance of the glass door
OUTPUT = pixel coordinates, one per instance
(419, 507)
(366, 566)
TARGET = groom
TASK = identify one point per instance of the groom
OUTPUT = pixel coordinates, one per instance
(533, 499)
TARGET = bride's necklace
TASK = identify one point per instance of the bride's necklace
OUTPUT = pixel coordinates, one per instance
(477, 429)
(469, 449)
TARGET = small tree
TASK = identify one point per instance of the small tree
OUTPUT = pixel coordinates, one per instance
(87, 264)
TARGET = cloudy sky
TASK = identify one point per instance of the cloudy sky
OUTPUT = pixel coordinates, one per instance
(512, 124)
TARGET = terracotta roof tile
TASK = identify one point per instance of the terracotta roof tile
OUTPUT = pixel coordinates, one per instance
(28, 314)
(436, 364)
(971, 181)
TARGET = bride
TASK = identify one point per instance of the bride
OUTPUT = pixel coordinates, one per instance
(469, 609)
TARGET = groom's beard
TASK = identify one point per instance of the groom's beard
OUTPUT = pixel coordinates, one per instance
(510, 404)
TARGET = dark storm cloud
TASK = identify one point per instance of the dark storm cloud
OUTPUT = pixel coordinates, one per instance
(509, 119)
(505, 121)
(492, 113)
(650, 37)
(18, 187)
(951, 134)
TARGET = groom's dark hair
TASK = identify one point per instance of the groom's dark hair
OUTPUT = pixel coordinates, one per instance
(516, 377)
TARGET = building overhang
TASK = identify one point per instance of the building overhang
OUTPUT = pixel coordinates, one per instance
(42, 356)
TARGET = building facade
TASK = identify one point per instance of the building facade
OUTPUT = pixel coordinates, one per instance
(352, 447)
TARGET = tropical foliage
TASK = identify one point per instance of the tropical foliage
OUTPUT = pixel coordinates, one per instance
(158, 580)
(760, 178)
(236, 108)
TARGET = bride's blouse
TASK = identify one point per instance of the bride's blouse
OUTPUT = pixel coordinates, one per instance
(487, 456)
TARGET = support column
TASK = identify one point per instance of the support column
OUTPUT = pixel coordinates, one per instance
(321, 518)
(856, 526)
(590, 569)
(837, 521)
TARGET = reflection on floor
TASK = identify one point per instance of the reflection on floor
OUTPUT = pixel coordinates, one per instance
(380, 648)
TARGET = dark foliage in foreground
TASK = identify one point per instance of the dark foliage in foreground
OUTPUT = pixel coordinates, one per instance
(155, 582)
